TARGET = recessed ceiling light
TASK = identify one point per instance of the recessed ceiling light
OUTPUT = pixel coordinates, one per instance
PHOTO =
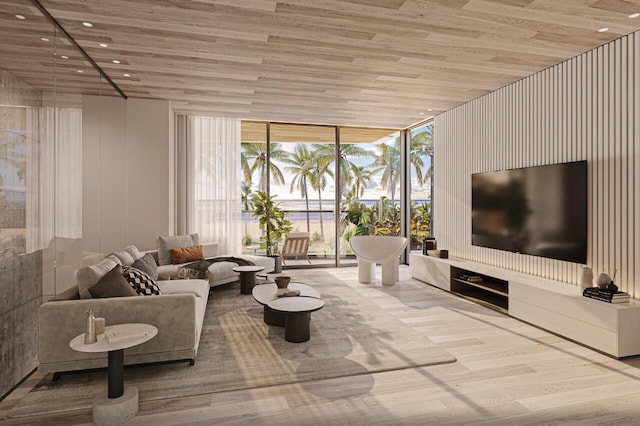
(126, 75)
(87, 24)
(422, 113)
(115, 61)
(603, 30)
(80, 72)
(632, 16)
(103, 45)
(44, 39)
(430, 109)
(23, 17)
(64, 56)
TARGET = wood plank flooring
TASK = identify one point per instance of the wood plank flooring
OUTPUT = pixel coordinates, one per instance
(507, 372)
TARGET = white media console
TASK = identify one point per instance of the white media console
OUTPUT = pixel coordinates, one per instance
(612, 328)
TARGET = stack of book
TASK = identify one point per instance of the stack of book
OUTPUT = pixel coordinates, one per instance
(606, 296)
(471, 278)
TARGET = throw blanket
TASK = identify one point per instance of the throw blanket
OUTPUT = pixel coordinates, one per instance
(198, 269)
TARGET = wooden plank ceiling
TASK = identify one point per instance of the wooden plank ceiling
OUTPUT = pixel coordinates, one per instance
(385, 63)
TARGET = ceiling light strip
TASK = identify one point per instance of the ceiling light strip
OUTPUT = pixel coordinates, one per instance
(55, 22)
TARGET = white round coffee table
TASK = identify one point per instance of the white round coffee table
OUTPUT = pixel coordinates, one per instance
(117, 406)
(247, 277)
(265, 293)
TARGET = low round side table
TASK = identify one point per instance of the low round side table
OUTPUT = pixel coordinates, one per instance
(265, 293)
(247, 277)
(297, 312)
(118, 405)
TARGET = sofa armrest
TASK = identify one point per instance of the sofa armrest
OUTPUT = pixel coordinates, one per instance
(173, 314)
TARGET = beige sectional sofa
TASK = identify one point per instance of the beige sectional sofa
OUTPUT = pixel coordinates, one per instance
(178, 312)
(218, 273)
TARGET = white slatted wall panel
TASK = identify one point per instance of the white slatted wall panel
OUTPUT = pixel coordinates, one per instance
(587, 108)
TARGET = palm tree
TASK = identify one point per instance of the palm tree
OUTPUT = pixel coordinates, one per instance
(258, 152)
(389, 161)
(422, 144)
(361, 178)
(247, 204)
(318, 179)
(300, 167)
(327, 156)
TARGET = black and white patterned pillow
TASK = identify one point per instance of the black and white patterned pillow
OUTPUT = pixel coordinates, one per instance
(142, 283)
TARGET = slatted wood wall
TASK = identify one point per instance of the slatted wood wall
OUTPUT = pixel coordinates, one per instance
(587, 108)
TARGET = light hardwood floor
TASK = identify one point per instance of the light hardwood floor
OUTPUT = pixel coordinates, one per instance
(507, 372)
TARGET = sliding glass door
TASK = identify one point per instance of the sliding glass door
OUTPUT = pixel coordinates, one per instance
(336, 182)
(421, 184)
(302, 178)
(369, 185)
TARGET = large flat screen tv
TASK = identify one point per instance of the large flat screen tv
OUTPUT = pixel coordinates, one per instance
(541, 211)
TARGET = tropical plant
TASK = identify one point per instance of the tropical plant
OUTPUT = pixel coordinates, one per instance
(385, 217)
(327, 155)
(272, 221)
(300, 167)
(257, 152)
(318, 172)
(358, 215)
(361, 177)
(421, 145)
(420, 227)
(388, 161)
(247, 205)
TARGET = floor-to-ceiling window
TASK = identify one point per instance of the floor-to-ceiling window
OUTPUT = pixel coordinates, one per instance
(309, 167)
(303, 180)
(253, 159)
(421, 184)
(370, 184)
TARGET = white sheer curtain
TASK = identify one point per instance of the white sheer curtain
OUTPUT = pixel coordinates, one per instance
(54, 175)
(213, 181)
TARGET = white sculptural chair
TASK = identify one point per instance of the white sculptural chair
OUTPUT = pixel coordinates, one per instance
(372, 249)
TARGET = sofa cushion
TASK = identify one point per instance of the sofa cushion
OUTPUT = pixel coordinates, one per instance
(198, 287)
(165, 244)
(186, 254)
(112, 284)
(221, 271)
(124, 256)
(114, 258)
(167, 272)
(268, 262)
(134, 252)
(142, 283)
(89, 275)
(147, 264)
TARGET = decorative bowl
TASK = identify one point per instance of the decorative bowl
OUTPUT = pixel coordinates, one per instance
(282, 281)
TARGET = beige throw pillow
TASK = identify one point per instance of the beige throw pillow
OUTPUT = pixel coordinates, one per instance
(165, 244)
(88, 276)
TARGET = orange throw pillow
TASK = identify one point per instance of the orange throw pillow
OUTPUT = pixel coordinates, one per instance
(187, 254)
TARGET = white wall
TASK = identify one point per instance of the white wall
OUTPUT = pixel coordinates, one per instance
(587, 108)
(126, 180)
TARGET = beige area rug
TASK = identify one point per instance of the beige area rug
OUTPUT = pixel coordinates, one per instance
(349, 336)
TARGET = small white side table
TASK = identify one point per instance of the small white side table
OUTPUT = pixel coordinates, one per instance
(117, 406)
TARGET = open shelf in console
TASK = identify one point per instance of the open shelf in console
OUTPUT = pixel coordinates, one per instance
(489, 291)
